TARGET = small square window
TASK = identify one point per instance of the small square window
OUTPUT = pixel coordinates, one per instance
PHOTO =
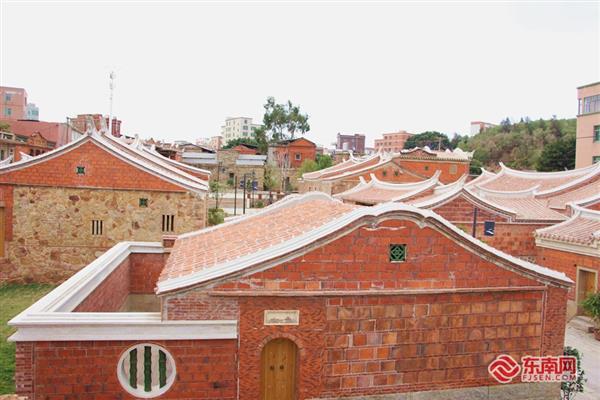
(397, 252)
(427, 168)
(143, 202)
(80, 170)
(97, 227)
(597, 133)
(298, 156)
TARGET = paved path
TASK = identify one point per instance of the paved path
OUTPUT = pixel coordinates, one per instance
(578, 337)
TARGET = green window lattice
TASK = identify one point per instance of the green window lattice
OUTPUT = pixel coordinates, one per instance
(397, 252)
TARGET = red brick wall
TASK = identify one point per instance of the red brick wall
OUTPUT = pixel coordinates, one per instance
(367, 345)
(429, 167)
(137, 274)
(195, 305)
(360, 260)
(111, 294)
(144, 272)
(567, 262)
(102, 170)
(206, 369)
(513, 238)
(376, 344)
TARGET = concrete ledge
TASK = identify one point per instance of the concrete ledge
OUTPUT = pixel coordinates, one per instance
(521, 391)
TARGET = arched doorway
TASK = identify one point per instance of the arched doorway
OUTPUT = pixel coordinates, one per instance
(278, 370)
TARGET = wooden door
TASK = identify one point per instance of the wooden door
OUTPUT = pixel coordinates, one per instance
(278, 370)
(586, 284)
(2, 227)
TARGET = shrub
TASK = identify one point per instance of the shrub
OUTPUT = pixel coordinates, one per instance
(216, 216)
(570, 389)
(259, 204)
(591, 305)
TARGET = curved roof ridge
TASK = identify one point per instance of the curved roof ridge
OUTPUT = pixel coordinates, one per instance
(546, 175)
(529, 192)
(343, 174)
(587, 200)
(434, 179)
(6, 161)
(161, 163)
(485, 176)
(153, 152)
(362, 184)
(270, 256)
(460, 182)
(351, 161)
(553, 191)
(488, 202)
(585, 212)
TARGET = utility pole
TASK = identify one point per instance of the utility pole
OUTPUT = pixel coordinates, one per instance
(235, 195)
(474, 233)
(112, 89)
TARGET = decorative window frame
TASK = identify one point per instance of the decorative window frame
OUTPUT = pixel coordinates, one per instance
(140, 392)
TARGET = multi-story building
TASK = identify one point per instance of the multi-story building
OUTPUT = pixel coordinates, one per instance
(588, 125)
(13, 103)
(480, 126)
(32, 112)
(392, 142)
(237, 128)
(355, 142)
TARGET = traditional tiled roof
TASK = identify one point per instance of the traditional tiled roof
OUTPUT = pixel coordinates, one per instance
(288, 229)
(151, 151)
(356, 166)
(582, 228)
(542, 182)
(376, 191)
(120, 150)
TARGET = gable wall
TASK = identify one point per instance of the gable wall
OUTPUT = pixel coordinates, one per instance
(102, 170)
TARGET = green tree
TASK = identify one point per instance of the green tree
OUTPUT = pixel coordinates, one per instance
(558, 156)
(435, 141)
(308, 165)
(324, 161)
(4, 127)
(283, 121)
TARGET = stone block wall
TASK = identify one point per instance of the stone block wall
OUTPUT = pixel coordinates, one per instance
(50, 236)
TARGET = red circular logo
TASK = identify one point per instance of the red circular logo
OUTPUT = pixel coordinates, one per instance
(504, 368)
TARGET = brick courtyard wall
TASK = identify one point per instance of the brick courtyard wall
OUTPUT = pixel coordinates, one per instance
(206, 369)
(144, 272)
(111, 294)
(370, 344)
(195, 305)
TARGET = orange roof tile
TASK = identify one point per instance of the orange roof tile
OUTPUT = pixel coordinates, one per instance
(582, 228)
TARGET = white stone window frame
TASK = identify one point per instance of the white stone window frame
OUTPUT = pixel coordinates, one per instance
(139, 391)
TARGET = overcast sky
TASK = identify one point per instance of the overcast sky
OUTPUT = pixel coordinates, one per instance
(182, 67)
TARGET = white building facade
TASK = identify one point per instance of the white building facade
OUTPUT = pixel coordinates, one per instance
(238, 127)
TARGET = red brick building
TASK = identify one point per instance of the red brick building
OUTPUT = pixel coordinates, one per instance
(408, 166)
(573, 247)
(56, 133)
(392, 142)
(292, 153)
(351, 142)
(310, 298)
(59, 210)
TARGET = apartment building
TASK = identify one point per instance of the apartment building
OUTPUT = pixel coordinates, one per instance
(588, 125)
(392, 142)
(13, 103)
(237, 128)
(354, 142)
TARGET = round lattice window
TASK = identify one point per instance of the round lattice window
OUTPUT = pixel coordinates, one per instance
(146, 370)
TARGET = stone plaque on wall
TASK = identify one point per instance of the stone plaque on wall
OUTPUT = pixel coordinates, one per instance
(282, 317)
